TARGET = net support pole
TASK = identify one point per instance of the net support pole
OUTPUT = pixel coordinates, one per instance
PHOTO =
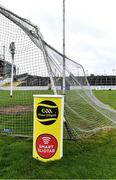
(12, 51)
(45, 54)
(64, 63)
(4, 53)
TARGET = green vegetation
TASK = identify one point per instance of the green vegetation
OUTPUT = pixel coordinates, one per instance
(19, 123)
(107, 96)
(19, 97)
(86, 116)
(92, 158)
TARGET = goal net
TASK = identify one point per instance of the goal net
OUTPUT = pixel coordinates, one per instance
(37, 68)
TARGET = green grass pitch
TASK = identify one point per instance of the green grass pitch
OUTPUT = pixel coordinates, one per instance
(20, 121)
(92, 158)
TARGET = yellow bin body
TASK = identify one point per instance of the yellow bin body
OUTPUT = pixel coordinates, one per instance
(48, 127)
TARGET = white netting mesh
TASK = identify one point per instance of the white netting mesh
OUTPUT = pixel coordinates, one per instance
(85, 113)
(38, 69)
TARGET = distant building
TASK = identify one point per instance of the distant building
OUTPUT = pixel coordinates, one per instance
(98, 80)
(5, 68)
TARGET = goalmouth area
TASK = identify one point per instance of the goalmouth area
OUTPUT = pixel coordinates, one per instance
(27, 60)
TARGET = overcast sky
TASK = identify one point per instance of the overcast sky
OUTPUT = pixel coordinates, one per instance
(90, 29)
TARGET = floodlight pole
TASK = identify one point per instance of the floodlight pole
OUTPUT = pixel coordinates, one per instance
(64, 63)
(12, 51)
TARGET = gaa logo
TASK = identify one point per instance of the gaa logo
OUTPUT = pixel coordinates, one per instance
(47, 112)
